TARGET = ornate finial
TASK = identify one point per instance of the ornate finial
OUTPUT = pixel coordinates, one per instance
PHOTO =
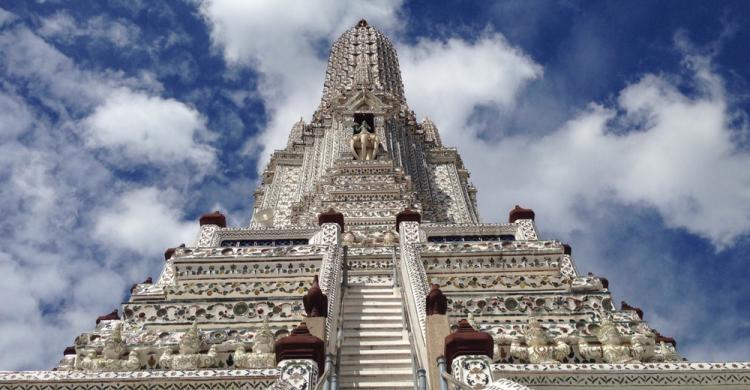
(519, 212)
(624, 306)
(108, 317)
(331, 216)
(408, 215)
(362, 23)
(315, 302)
(300, 344)
(215, 218)
(467, 341)
(437, 303)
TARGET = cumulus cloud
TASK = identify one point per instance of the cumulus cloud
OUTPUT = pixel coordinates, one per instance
(15, 118)
(73, 226)
(64, 27)
(149, 129)
(6, 17)
(449, 79)
(121, 114)
(146, 220)
(656, 147)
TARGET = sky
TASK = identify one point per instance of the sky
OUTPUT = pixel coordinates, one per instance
(623, 124)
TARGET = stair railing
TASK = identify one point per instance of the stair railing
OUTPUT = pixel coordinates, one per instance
(339, 338)
(413, 282)
(333, 281)
(410, 322)
(324, 382)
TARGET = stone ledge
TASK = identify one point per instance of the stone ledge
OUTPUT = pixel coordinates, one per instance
(644, 376)
(149, 375)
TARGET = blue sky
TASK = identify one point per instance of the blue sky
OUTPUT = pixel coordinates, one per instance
(622, 123)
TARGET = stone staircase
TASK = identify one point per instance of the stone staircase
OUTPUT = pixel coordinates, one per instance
(375, 352)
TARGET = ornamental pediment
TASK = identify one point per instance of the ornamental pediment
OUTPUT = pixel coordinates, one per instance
(364, 100)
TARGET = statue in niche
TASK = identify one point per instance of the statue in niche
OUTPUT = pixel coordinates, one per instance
(364, 143)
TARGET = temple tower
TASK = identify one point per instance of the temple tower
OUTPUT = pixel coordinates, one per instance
(364, 154)
(366, 266)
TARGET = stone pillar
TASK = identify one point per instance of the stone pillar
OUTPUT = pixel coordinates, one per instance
(468, 353)
(524, 218)
(438, 329)
(299, 358)
(331, 216)
(415, 286)
(210, 223)
(474, 370)
(332, 224)
(301, 374)
(316, 308)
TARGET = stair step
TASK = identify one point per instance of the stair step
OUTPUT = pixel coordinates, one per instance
(385, 361)
(370, 290)
(361, 384)
(374, 344)
(372, 333)
(375, 371)
(371, 302)
(372, 310)
(393, 352)
(374, 324)
(371, 296)
(359, 317)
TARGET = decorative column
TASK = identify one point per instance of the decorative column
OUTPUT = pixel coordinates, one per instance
(210, 223)
(438, 329)
(299, 358)
(316, 308)
(332, 224)
(524, 218)
(414, 279)
(468, 353)
(413, 273)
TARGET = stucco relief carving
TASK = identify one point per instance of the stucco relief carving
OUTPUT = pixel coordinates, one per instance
(114, 355)
(189, 356)
(586, 284)
(615, 347)
(262, 355)
(536, 345)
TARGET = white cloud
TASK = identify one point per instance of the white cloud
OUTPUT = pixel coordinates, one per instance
(63, 27)
(448, 79)
(147, 220)
(128, 119)
(657, 147)
(56, 192)
(6, 17)
(149, 129)
(15, 118)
